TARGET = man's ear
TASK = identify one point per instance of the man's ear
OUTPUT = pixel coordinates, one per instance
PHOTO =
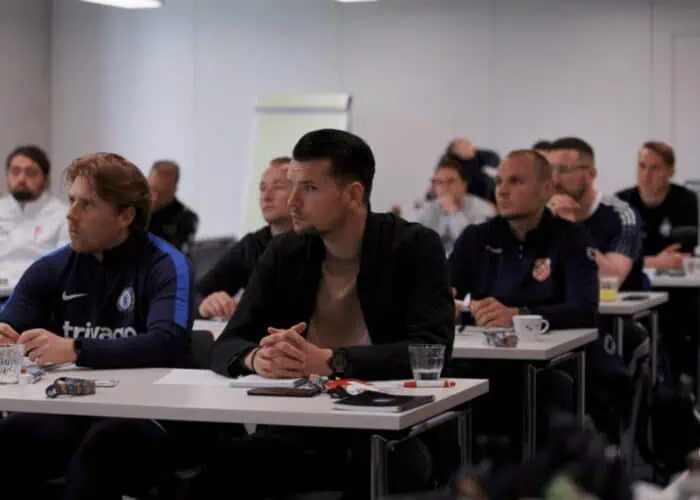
(126, 217)
(357, 194)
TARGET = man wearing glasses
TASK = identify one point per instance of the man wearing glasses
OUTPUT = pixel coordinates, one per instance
(32, 222)
(614, 225)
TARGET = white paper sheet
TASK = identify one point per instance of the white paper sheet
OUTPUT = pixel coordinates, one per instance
(202, 378)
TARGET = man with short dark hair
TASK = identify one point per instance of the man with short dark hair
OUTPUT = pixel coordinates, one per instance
(32, 222)
(115, 298)
(232, 272)
(343, 295)
(614, 225)
(171, 219)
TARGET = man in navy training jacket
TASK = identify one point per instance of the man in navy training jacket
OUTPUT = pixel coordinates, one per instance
(116, 297)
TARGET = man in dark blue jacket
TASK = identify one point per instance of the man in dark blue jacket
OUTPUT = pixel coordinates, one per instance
(115, 298)
(526, 261)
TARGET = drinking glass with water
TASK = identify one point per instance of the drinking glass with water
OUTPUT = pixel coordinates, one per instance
(11, 357)
(427, 360)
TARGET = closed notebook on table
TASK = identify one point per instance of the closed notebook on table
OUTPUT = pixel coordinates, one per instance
(372, 401)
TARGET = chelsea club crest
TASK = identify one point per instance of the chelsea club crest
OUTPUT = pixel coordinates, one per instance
(126, 300)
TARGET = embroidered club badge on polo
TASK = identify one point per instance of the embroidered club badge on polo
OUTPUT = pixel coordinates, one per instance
(542, 269)
(126, 300)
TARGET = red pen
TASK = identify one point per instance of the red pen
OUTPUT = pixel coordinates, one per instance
(414, 384)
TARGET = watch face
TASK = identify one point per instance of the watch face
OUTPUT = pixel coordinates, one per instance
(339, 362)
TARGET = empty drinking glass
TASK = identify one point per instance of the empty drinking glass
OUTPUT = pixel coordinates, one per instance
(427, 360)
(11, 356)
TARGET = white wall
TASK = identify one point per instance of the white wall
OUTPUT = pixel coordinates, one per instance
(24, 74)
(180, 82)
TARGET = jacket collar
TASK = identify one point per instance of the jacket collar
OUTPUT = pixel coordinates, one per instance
(504, 234)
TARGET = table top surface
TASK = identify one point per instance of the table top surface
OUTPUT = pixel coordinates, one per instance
(667, 281)
(138, 396)
(553, 344)
(625, 307)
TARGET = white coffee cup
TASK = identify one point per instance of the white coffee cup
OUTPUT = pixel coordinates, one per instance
(530, 326)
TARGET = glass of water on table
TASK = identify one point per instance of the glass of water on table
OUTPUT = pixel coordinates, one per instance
(427, 360)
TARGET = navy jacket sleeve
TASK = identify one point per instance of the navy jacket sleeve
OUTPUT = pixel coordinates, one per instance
(230, 273)
(579, 306)
(249, 323)
(29, 306)
(430, 311)
(166, 340)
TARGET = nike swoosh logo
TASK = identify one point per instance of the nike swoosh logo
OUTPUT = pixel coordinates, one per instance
(66, 297)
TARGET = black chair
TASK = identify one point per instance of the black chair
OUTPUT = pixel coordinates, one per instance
(205, 253)
(201, 343)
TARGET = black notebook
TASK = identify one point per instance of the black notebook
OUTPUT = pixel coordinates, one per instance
(379, 402)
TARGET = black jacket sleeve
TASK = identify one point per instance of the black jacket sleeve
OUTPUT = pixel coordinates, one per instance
(430, 312)
(230, 273)
(250, 321)
(579, 306)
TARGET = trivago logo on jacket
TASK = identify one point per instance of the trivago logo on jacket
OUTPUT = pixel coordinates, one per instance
(88, 331)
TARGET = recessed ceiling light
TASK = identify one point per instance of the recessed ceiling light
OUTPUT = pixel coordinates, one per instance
(129, 4)
(356, 1)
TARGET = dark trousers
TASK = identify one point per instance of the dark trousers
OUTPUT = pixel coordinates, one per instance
(283, 460)
(98, 457)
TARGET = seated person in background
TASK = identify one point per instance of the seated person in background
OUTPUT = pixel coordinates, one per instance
(32, 222)
(614, 225)
(472, 161)
(453, 209)
(115, 298)
(170, 220)
(526, 261)
(231, 274)
(616, 230)
(663, 206)
(343, 295)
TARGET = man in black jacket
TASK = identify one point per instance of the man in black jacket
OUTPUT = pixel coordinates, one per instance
(232, 272)
(171, 219)
(343, 295)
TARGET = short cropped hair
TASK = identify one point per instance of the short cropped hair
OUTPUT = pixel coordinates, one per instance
(350, 157)
(664, 150)
(541, 164)
(575, 143)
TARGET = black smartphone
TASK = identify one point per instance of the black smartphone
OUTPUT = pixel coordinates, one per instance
(288, 392)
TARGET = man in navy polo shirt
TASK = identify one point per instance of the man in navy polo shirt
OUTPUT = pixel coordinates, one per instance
(614, 225)
(117, 297)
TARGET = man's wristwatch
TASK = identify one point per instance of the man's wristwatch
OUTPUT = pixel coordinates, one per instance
(338, 363)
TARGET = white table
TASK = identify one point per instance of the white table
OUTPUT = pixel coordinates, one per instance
(136, 396)
(212, 325)
(554, 348)
(623, 308)
(692, 281)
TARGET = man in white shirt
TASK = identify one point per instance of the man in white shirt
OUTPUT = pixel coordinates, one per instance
(32, 222)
